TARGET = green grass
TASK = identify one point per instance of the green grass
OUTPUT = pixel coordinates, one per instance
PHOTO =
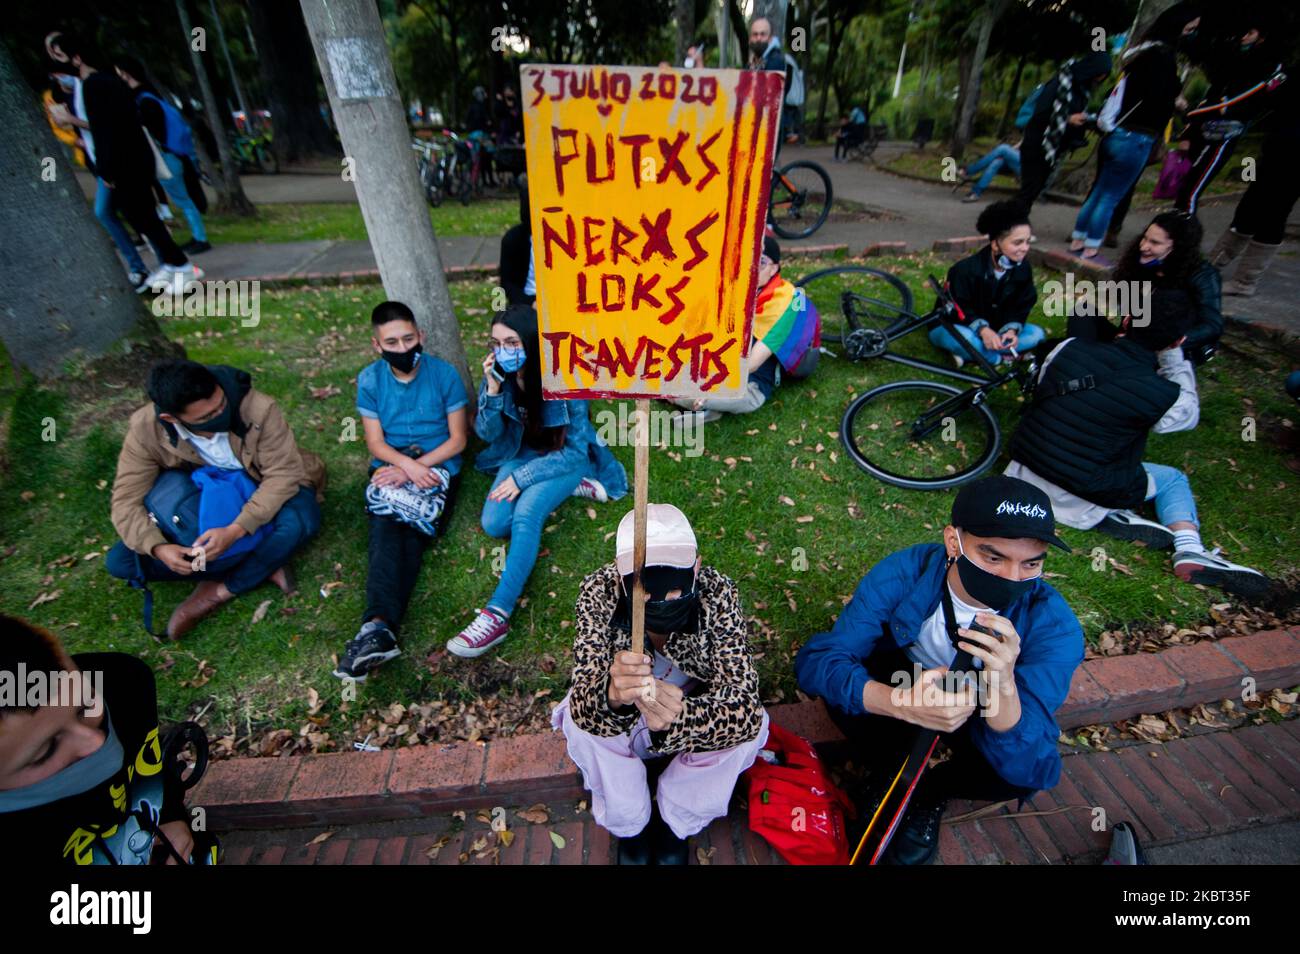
(263, 672)
(306, 221)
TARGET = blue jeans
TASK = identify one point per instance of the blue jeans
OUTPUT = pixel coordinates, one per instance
(180, 197)
(1123, 156)
(1031, 336)
(117, 231)
(297, 521)
(1173, 494)
(521, 520)
(990, 165)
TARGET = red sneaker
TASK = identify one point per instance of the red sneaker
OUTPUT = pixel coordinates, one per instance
(488, 629)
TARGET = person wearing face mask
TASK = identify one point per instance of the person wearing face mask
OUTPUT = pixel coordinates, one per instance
(1083, 437)
(879, 667)
(83, 779)
(994, 288)
(692, 695)
(541, 452)
(765, 53)
(414, 409)
(209, 417)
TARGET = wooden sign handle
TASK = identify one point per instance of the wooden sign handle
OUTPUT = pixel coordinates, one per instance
(641, 487)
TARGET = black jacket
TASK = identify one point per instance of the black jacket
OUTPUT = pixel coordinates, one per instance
(997, 301)
(1150, 89)
(1205, 288)
(122, 154)
(1086, 428)
(1082, 72)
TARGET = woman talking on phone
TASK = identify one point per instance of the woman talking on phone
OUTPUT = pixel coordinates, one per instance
(541, 452)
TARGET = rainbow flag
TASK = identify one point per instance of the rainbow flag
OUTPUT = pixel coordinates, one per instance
(786, 321)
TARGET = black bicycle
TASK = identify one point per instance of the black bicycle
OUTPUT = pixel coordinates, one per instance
(800, 199)
(922, 435)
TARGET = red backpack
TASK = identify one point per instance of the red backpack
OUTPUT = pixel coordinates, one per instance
(794, 804)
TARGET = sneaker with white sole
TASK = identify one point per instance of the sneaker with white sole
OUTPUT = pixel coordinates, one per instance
(373, 646)
(592, 489)
(488, 629)
(173, 279)
(138, 281)
(1208, 568)
(1126, 525)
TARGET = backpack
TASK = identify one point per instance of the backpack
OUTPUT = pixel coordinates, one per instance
(794, 804)
(794, 96)
(1027, 107)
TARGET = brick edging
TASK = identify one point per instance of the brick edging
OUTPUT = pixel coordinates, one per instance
(354, 787)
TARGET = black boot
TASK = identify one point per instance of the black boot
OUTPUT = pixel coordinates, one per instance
(637, 849)
(917, 840)
(669, 849)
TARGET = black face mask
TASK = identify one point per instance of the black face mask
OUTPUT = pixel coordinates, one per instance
(671, 616)
(221, 422)
(661, 615)
(988, 588)
(402, 361)
(757, 48)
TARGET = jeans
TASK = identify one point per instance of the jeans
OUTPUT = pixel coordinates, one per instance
(1123, 156)
(107, 216)
(297, 521)
(1169, 487)
(395, 553)
(990, 165)
(180, 197)
(134, 198)
(521, 520)
(1031, 336)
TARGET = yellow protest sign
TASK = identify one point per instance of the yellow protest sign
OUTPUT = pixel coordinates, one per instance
(648, 190)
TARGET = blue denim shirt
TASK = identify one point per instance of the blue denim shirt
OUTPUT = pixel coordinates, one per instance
(499, 424)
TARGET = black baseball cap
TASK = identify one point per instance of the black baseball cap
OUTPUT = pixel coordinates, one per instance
(771, 249)
(1001, 506)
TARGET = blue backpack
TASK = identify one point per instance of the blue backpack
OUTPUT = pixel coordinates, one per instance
(1027, 107)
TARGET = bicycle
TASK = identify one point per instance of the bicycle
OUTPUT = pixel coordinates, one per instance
(916, 434)
(428, 165)
(799, 200)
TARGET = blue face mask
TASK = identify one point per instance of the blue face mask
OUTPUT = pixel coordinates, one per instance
(81, 776)
(510, 359)
(1151, 264)
(1004, 263)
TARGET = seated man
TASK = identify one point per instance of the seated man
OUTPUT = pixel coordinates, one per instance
(413, 409)
(1083, 437)
(210, 416)
(786, 337)
(910, 613)
(693, 694)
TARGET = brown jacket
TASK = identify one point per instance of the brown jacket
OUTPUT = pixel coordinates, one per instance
(266, 448)
(726, 712)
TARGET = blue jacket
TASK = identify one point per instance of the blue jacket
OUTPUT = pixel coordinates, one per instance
(498, 423)
(895, 598)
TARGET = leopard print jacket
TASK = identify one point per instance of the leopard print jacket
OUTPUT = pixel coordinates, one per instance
(725, 713)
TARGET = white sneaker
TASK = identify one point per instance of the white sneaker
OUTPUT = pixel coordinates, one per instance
(592, 489)
(173, 279)
(1126, 525)
(1208, 568)
(165, 213)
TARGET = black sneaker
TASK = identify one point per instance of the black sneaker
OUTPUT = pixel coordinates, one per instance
(194, 247)
(1125, 849)
(368, 650)
(637, 849)
(668, 848)
(1126, 525)
(917, 840)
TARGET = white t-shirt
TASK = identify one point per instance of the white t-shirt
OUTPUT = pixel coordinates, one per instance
(79, 109)
(214, 450)
(933, 648)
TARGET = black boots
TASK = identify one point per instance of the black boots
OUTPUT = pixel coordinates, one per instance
(654, 845)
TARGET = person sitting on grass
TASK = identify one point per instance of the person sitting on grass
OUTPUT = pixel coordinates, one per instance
(413, 408)
(994, 288)
(1083, 438)
(786, 342)
(541, 451)
(84, 778)
(208, 418)
(692, 695)
(879, 667)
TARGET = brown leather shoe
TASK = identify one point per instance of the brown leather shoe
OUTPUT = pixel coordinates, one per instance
(284, 579)
(207, 596)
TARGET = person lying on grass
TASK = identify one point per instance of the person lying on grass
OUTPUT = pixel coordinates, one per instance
(692, 695)
(413, 409)
(209, 419)
(879, 667)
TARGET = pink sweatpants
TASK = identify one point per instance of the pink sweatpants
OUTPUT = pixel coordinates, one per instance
(694, 789)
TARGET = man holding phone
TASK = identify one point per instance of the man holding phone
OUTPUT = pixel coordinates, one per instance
(880, 668)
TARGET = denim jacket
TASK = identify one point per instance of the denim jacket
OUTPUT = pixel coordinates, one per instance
(498, 423)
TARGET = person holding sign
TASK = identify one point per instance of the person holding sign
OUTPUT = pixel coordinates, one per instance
(787, 336)
(880, 666)
(692, 695)
(541, 452)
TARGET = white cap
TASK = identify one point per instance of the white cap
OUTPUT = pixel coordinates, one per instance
(669, 539)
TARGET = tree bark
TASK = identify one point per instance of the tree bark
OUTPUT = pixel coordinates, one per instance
(50, 324)
(684, 14)
(1013, 96)
(230, 193)
(837, 29)
(353, 54)
(289, 76)
(970, 86)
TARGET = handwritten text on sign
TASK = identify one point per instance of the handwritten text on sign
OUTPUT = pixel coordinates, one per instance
(647, 190)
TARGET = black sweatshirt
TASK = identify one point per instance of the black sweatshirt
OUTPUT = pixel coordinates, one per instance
(122, 154)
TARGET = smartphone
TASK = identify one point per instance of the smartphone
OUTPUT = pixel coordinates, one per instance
(501, 378)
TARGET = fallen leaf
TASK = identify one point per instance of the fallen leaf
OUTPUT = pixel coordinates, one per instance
(319, 838)
(259, 614)
(432, 851)
(506, 836)
(785, 500)
(558, 840)
(704, 857)
(536, 815)
(326, 392)
(45, 598)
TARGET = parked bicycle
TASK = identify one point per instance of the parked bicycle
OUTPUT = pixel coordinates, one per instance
(800, 199)
(921, 435)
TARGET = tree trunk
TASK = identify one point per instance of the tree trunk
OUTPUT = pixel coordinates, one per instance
(49, 323)
(739, 31)
(837, 29)
(289, 77)
(352, 50)
(684, 14)
(230, 64)
(1013, 97)
(230, 193)
(970, 87)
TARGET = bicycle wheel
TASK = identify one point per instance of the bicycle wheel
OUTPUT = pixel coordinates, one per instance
(920, 435)
(267, 161)
(800, 200)
(862, 297)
